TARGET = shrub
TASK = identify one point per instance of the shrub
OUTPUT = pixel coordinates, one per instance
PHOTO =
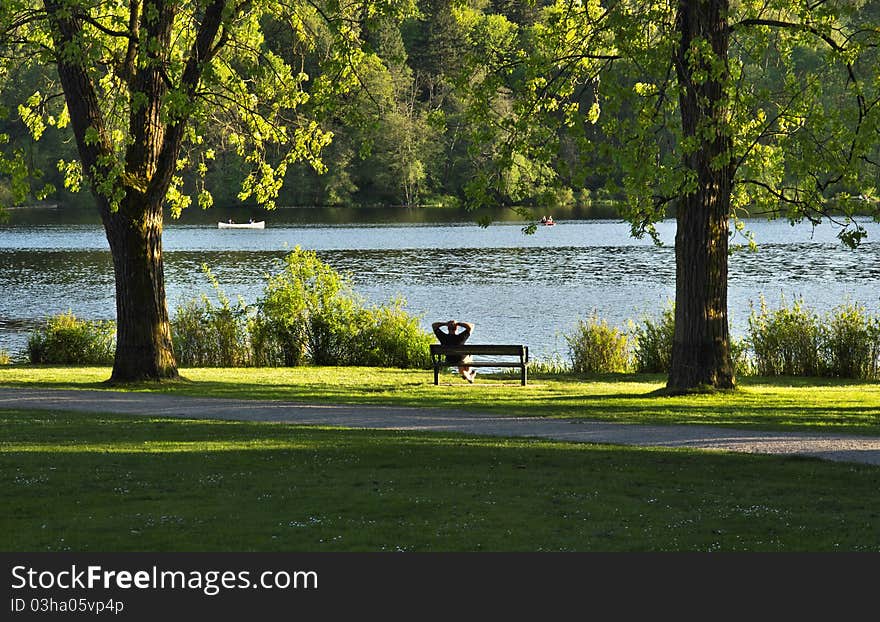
(4, 357)
(211, 335)
(851, 343)
(388, 336)
(740, 358)
(551, 364)
(310, 313)
(68, 340)
(596, 348)
(190, 334)
(268, 349)
(784, 342)
(305, 309)
(653, 342)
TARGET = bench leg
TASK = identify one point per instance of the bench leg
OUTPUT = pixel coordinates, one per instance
(525, 374)
(436, 374)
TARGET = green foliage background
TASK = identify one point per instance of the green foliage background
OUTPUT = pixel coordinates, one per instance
(488, 101)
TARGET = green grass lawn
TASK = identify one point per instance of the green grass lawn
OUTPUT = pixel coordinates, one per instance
(83, 482)
(782, 404)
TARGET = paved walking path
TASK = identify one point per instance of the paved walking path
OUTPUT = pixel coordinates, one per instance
(836, 447)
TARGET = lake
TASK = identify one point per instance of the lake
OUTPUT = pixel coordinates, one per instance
(516, 288)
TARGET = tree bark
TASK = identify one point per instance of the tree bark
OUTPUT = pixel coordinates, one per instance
(701, 343)
(143, 328)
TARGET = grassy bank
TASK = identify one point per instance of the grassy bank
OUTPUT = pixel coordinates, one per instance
(778, 403)
(106, 483)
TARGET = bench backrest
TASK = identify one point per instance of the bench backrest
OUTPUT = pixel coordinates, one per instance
(488, 349)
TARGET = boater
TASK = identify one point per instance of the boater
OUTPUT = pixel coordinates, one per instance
(453, 338)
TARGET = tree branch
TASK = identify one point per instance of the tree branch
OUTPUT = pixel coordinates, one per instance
(202, 51)
(775, 23)
(87, 121)
(127, 70)
(107, 31)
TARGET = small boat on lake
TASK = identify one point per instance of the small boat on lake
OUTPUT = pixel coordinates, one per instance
(261, 224)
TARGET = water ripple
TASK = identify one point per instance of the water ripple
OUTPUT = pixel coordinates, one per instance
(515, 287)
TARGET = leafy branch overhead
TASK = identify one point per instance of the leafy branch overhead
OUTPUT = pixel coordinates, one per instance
(162, 85)
(799, 91)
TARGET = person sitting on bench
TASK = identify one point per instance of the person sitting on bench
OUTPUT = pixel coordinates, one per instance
(452, 338)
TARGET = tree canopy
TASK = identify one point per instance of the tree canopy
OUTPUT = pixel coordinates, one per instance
(222, 75)
(799, 91)
(461, 84)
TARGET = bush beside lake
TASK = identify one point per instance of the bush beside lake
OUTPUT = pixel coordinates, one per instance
(66, 339)
(791, 340)
(309, 314)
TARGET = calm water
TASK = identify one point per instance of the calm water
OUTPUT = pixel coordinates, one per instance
(515, 288)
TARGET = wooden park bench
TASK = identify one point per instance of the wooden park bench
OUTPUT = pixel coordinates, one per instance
(519, 357)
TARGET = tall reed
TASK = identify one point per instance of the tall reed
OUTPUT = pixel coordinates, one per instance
(652, 338)
(796, 341)
(784, 341)
(209, 334)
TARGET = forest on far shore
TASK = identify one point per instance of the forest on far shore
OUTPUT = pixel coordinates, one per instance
(409, 136)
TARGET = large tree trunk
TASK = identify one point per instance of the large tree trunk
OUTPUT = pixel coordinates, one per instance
(143, 329)
(701, 345)
(134, 227)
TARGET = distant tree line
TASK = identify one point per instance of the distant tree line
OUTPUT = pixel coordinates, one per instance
(409, 135)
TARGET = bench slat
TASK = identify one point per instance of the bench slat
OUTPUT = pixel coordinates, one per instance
(512, 350)
(494, 364)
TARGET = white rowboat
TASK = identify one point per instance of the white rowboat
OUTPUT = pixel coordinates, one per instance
(242, 225)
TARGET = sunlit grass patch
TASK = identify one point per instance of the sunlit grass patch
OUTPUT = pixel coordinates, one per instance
(770, 403)
(127, 483)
